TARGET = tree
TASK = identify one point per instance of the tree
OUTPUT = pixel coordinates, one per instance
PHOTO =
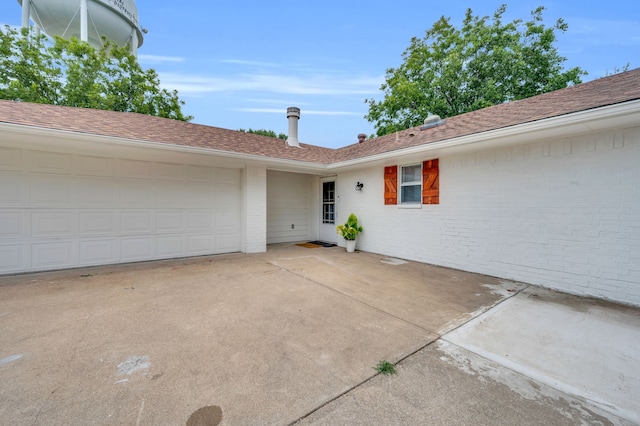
(34, 68)
(456, 70)
(265, 132)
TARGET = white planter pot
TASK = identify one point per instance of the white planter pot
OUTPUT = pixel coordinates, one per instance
(351, 245)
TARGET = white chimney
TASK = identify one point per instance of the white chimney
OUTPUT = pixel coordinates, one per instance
(293, 115)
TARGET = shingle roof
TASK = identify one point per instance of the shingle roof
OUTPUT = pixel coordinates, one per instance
(610, 90)
(155, 129)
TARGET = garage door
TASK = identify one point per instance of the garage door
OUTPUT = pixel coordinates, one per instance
(60, 210)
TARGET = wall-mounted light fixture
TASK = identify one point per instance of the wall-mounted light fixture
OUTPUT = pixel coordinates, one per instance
(359, 186)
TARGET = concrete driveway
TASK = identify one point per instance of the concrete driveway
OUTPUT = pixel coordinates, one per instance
(293, 335)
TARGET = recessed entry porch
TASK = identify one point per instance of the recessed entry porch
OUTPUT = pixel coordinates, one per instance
(300, 207)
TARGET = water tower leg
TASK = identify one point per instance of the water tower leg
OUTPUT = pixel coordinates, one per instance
(84, 17)
(26, 12)
(134, 44)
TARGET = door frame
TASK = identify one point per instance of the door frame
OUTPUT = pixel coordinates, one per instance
(327, 231)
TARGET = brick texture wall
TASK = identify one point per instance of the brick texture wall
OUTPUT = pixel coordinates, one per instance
(562, 214)
(255, 210)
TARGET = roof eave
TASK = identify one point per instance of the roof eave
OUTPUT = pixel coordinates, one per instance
(69, 139)
(616, 116)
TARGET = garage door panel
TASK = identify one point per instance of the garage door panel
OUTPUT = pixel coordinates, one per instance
(98, 252)
(199, 174)
(200, 220)
(227, 176)
(11, 190)
(98, 193)
(53, 191)
(97, 222)
(227, 242)
(12, 258)
(65, 210)
(10, 159)
(96, 166)
(136, 221)
(133, 249)
(227, 219)
(50, 162)
(170, 246)
(168, 171)
(171, 194)
(12, 224)
(134, 169)
(169, 221)
(136, 193)
(199, 244)
(199, 195)
(52, 223)
(52, 255)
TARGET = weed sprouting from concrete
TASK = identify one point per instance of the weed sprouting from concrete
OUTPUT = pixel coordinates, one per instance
(385, 367)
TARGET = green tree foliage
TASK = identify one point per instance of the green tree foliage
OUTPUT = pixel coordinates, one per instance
(456, 70)
(265, 132)
(72, 73)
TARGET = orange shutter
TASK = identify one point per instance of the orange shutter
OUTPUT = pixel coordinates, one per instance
(391, 185)
(430, 182)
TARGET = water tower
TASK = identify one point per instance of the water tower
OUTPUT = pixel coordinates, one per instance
(88, 20)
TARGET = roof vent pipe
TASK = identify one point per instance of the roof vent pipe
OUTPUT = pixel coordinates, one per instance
(432, 120)
(361, 137)
(293, 115)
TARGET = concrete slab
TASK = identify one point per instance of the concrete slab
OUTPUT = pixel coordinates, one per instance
(291, 334)
(451, 386)
(583, 347)
(266, 338)
(434, 298)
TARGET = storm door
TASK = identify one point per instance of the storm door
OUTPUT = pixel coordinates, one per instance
(328, 213)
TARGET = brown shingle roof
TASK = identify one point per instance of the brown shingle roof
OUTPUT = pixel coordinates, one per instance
(610, 90)
(155, 129)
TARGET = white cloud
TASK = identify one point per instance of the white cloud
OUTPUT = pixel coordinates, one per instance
(274, 102)
(305, 112)
(250, 62)
(312, 84)
(602, 32)
(156, 59)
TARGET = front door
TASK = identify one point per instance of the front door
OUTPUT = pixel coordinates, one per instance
(328, 213)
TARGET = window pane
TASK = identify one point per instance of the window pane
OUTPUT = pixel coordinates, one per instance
(328, 191)
(411, 194)
(328, 214)
(411, 173)
(328, 202)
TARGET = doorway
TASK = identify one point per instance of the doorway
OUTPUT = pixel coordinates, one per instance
(328, 212)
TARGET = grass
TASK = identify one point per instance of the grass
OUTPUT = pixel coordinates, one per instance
(385, 367)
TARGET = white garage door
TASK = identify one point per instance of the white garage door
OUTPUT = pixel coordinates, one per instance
(61, 210)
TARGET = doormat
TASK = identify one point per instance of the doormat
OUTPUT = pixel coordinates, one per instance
(322, 243)
(308, 245)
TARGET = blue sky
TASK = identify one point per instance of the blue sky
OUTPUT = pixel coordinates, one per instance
(240, 64)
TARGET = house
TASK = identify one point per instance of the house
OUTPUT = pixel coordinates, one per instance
(544, 190)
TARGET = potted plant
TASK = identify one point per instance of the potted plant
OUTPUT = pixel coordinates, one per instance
(350, 231)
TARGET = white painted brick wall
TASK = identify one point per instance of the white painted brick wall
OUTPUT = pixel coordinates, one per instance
(288, 207)
(255, 210)
(563, 214)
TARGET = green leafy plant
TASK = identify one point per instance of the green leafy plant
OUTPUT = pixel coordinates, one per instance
(457, 68)
(385, 367)
(350, 229)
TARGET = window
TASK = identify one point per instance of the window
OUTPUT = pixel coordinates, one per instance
(328, 202)
(411, 184)
(418, 184)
